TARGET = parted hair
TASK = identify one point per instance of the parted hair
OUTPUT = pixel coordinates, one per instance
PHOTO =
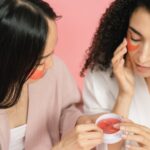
(23, 34)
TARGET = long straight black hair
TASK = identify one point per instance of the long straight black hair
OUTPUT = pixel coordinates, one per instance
(23, 34)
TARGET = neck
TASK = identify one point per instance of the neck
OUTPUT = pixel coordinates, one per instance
(148, 83)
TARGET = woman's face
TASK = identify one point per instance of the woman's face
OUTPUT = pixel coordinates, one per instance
(46, 61)
(138, 39)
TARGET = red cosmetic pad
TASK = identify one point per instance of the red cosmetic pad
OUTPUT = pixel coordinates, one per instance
(107, 125)
(37, 75)
(130, 46)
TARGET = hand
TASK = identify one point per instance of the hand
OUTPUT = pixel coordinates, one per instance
(86, 119)
(83, 137)
(123, 70)
(139, 134)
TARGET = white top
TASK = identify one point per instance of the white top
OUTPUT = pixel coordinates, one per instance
(100, 92)
(17, 136)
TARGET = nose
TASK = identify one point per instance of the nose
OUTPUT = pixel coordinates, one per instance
(144, 54)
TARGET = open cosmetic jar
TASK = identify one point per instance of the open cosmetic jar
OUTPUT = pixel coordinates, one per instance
(106, 122)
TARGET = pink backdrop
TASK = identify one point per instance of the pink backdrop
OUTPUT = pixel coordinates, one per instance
(75, 29)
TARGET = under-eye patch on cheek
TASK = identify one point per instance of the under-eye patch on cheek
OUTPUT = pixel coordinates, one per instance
(37, 75)
(130, 46)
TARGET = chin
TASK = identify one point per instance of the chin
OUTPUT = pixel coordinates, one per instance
(142, 74)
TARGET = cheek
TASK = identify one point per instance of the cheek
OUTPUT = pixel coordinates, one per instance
(130, 46)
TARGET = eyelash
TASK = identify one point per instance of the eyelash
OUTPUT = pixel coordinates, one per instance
(135, 40)
(37, 65)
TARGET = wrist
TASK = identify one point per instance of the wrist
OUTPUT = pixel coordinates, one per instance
(126, 94)
(122, 105)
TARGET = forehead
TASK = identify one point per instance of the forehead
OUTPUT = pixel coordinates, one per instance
(140, 20)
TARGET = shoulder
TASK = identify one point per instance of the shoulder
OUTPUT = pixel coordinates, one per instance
(58, 67)
(98, 80)
(99, 76)
(57, 62)
(59, 72)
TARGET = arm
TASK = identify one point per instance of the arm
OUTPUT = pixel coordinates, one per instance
(96, 95)
(70, 97)
(124, 75)
(125, 80)
(95, 90)
(82, 137)
(76, 134)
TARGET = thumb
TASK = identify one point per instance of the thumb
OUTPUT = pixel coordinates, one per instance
(84, 120)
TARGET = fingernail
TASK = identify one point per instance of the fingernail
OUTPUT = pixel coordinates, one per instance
(117, 126)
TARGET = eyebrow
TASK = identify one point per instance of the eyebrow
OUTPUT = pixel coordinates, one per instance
(135, 31)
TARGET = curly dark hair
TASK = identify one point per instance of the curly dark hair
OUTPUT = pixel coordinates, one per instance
(110, 33)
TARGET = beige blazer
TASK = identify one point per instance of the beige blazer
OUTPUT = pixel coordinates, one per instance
(51, 111)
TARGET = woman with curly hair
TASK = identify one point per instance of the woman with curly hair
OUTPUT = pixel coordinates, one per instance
(118, 70)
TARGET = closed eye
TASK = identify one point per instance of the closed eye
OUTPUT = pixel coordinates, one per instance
(40, 64)
(135, 40)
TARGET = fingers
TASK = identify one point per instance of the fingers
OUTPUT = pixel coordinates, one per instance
(145, 129)
(138, 133)
(136, 138)
(88, 145)
(94, 143)
(128, 63)
(86, 139)
(126, 120)
(121, 46)
(130, 147)
(118, 59)
(91, 135)
(87, 127)
(133, 128)
(84, 120)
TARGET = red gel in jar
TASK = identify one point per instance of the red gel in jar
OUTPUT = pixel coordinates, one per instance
(107, 125)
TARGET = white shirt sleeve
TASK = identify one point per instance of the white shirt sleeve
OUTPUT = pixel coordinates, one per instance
(96, 94)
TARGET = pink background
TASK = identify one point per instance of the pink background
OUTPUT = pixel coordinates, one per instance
(76, 29)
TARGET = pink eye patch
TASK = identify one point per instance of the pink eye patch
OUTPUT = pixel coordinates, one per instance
(37, 75)
(130, 46)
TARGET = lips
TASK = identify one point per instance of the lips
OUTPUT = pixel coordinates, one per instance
(142, 68)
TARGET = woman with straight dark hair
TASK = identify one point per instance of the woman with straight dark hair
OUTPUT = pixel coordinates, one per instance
(118, 77)
(37, 93)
